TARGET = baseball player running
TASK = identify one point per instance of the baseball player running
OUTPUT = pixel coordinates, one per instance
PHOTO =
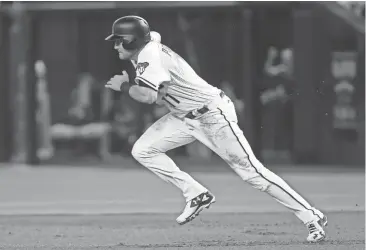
(198, 111)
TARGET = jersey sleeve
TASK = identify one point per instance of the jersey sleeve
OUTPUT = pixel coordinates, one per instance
(149, 68)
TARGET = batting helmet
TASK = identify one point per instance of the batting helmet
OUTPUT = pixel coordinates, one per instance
(134, 27)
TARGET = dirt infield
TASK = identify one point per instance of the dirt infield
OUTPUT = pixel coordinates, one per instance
(254, 231)
(96, 208)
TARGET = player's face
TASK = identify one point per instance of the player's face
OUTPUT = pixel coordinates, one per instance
(122, 52)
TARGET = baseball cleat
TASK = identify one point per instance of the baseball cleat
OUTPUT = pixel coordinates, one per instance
(324, 221)
(195, 206)
(316, 230)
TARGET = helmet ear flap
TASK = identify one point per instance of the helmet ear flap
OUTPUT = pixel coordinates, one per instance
(135, 44)
(131, 45)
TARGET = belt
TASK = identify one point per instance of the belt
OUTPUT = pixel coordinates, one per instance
(198, 112)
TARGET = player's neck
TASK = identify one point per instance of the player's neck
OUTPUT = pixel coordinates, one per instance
(135, 55)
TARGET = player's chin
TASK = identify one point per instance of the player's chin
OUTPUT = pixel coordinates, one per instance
(125, 55)
(122, 56)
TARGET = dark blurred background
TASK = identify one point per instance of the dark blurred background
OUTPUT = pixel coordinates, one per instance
(295, 71)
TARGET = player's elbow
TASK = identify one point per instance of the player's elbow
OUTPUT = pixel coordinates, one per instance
(152, 97)
(143, 94)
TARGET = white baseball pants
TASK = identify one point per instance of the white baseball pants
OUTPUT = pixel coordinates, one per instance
(218, 130)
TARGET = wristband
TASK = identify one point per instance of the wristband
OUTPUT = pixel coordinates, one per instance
(125, 87)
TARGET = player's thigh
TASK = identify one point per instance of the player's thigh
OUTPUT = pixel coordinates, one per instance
(165, 134)
(226, 139)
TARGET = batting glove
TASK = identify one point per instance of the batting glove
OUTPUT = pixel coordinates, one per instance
(117, 81)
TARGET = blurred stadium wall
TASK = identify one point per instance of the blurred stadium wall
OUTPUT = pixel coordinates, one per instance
(298, 69)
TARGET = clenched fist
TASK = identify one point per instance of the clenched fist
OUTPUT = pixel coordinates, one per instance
(116, 81)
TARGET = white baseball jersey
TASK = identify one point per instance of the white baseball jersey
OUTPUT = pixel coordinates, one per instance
(184, 90)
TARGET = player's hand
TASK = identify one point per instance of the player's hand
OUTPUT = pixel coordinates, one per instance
(116, 81)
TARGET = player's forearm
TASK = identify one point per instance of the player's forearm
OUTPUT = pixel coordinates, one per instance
(142, 94)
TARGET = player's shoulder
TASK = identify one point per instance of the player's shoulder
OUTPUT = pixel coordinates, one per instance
(149, 57)
(150, 52)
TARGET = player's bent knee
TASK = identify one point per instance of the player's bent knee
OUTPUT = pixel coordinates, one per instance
(136, 151)
(140, 151)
